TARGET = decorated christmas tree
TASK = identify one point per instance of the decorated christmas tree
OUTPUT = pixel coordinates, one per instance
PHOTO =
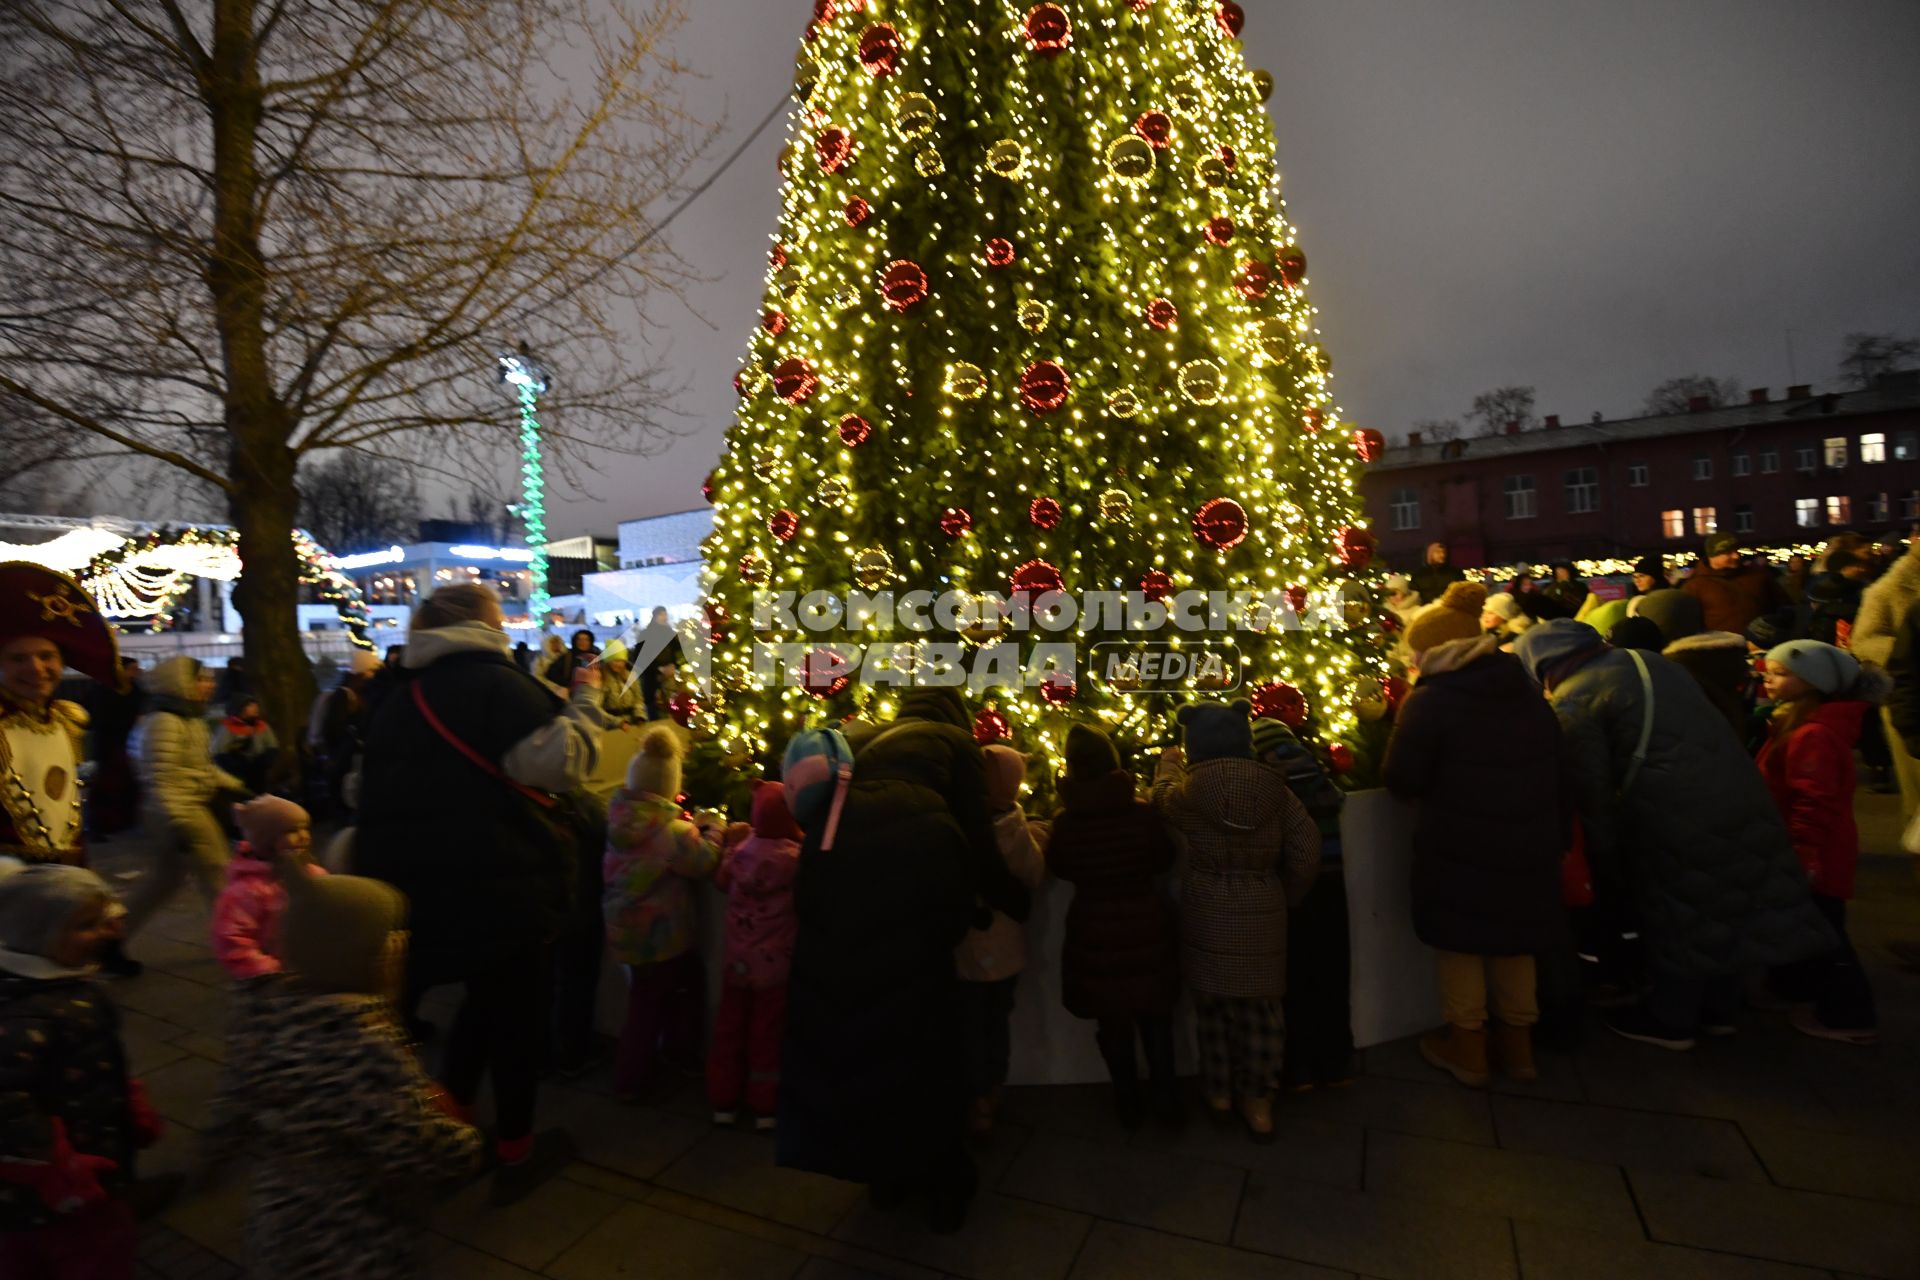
(1036, 322)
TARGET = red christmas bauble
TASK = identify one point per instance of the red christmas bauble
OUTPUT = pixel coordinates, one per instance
(1390, 623)
(794, 380)
(834, 146)
(854, 430)
(1253, 279)
(774, 322)
(1043, 387)
(1220, 523)
(1139, 6)
(1219, 230)
(1044, 512)
(1394, 690)
(717, 619)
(1035, 576)
(1292, 265)
(1058, 689)
(1232, 18)
(706, 486)
(1156, 127)
(1315, 419)
(955, 522)
(1340, 755)
(683, 706)
(880, 49)
(1280, 701)
(1155, 584)
(989, 726)
(823, 11)
(1355, 547)
(754, 568)
(777, 257)
(824, 672)
(1369, 444)
(740, 383)
(1049, 31)
(1162, 314)
(1000, 252)
(783, 524)
(1297, 600)
(903, 284)
(1227, 157)
(858, 211)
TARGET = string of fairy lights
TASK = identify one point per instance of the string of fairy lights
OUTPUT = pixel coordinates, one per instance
(1035, 318)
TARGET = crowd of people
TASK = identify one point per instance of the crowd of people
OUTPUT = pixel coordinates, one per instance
(1686, 848)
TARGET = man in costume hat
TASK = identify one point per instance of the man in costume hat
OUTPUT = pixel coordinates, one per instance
(47, 624)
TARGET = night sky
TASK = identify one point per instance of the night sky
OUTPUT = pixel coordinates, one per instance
(1587, 197)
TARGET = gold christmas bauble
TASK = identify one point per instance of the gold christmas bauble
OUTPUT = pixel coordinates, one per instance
(1034, 315)
(928, 163)
(1200, 381)
(965, 381)
(872, 567)
(832, 492)
(753, 380)
(914, 115)
(1123, 403)
(1185, 99)
(1263, 84)
(1116, 506)
(1130, 158)
(1007, 159)
(1276, 338)
(1212, 172)
(786, 281)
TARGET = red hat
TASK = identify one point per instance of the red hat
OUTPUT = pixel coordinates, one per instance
(37, 601)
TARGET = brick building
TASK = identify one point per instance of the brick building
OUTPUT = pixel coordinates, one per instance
(1773, 471)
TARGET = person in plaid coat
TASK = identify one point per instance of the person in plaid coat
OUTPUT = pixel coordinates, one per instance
(1251, 851)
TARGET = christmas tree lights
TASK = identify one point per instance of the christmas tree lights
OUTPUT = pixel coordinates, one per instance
(1064, 343)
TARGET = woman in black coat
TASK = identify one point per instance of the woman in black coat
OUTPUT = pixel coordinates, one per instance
(872, 1073)
(1477, 750)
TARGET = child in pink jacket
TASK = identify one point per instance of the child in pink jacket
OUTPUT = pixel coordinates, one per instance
(757, 875)
(246, 915)
(989, 960)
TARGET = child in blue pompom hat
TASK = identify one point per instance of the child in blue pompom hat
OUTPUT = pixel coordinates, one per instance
(1252, 853)
(1318, 1004)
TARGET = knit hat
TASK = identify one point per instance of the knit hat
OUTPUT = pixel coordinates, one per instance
(1825, 667)
(1720, 544)
(1636, 633)
(656, 766)
(39, 901)
(1090, 753)
(1677, 613)
(1550, 644)
(1654, 567)
(1212, 731)
(771, 817)
(941, 704)
(333, 937)
(1770, 629)
(265, 820)
(1502, 605)
(1269, 735)
(1455, 616)
(1006, 770)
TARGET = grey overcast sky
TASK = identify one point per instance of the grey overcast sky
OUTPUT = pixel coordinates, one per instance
(1587, 197)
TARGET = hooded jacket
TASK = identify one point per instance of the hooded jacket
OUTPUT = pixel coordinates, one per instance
(1718, 661)
(1696, 840)
(173, 749)
(1118, 958)
(246, 917)
(1250, 852)
(1473, 736)
(757, 876)
(1809, 770)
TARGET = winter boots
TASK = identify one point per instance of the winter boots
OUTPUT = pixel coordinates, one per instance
(1460, 1053)
(1513, 1051)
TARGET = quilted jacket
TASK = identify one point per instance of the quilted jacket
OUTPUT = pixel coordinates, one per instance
(1810, 773)
(173, 749)
(1249, 851)
(1696, 841)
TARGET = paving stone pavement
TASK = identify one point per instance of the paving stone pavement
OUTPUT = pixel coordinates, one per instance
(1766, 1157)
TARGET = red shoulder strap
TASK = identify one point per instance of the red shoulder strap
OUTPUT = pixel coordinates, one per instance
(493, 770)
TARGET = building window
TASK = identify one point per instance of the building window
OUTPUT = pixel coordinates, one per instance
(1743, 518)
(1520, 498)
(1910, 505)
(1703, 468)
(1806, 513)
(1803, 459)
(1873, 447)
(1673, 524)
(1637, 475)
(1583, 490)
(1406, 509)
(1906, 446)
(1769, 461)
(1877, 508)
(1743, 464)
(1836, 451)
(1705, 520)
(1839, 509)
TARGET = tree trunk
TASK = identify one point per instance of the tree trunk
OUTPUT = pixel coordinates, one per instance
(263, 500)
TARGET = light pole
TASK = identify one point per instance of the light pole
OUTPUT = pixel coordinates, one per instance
(528, 378)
